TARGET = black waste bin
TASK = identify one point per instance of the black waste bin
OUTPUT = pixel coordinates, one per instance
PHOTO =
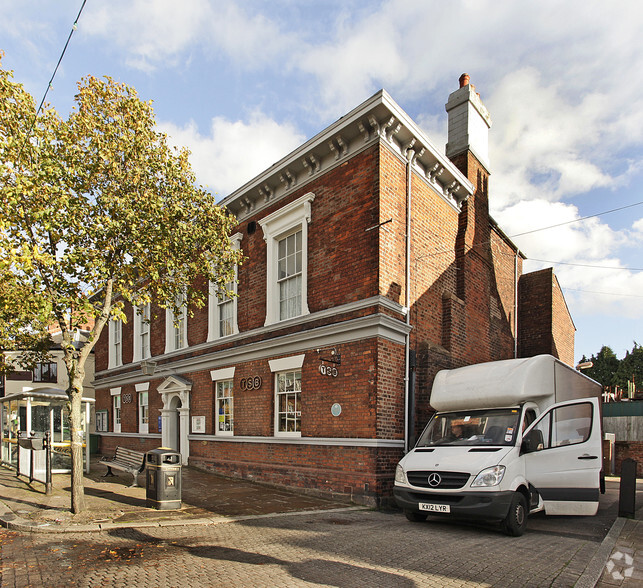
(163, 479)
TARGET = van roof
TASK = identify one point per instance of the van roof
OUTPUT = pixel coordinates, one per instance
(510, 382)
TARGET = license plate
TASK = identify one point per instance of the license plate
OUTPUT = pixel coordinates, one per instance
(434, 507)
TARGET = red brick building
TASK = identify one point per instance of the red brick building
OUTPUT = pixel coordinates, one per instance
(372, 263)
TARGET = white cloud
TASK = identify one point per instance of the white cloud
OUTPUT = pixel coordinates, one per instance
(588, 240)
(155, 33)
(234, 151)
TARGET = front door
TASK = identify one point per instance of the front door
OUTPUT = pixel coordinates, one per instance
(563, 457)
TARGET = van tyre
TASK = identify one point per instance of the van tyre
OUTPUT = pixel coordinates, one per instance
(415, 517)
(515, 522)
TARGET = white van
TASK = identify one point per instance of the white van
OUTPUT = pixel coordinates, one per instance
(510, 438)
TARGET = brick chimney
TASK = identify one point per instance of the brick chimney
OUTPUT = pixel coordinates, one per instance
(469, 123)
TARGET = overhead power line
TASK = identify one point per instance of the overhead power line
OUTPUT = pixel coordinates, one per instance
(603, 293)
(483, 243)
(576, 220)
(612, 267)
(51, 80)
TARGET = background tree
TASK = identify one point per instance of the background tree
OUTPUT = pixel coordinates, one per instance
(95, 211)
(630, 368)
(605, 366)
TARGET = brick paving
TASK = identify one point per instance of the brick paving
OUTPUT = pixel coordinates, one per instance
(625, 564)
(236, 532)
(338, 548)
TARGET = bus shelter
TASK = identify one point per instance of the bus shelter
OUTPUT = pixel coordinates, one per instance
(31, 414)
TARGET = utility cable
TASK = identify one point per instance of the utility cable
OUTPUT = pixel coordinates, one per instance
(50, 84)
(576, 220)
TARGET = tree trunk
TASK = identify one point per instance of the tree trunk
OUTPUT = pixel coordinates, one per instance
(76, 426)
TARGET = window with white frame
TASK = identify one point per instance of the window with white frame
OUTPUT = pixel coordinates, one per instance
(224, 407)
(223, 401)
(287, 373)
(222, 309)
(102, 421)
(142, 333)
(116, 409)
(289, 402)
(143, 407)
(226, 314)
(176, 328)
(286, 234)
(289, 276)
(115, 353)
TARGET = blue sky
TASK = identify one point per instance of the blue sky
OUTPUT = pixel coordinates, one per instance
(243, 83)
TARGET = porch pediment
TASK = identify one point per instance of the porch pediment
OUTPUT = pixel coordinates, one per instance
(175, 384)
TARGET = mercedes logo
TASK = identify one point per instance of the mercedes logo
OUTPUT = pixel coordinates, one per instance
(434, 480)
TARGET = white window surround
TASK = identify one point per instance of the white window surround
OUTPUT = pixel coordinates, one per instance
(283, 364)
(213, 300)
(222, 374)
(142, 327)
(289, 219)
(116, 393)
(143, 427)
(170, 330)
(115, 350)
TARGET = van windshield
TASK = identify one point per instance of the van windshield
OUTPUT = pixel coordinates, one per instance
(477, 427)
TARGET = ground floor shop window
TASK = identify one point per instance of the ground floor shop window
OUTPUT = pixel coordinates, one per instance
(288, 402)
(224, 408)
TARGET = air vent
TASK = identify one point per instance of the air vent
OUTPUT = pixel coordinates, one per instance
(252, 227)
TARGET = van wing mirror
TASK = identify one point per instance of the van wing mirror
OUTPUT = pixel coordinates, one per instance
(533, 441)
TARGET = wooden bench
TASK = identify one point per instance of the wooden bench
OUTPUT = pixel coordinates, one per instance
(127, 460)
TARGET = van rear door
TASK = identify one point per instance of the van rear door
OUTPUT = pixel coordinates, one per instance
(562, 453)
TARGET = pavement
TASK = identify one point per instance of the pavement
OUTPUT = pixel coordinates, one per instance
(209, 499)
(111, 502)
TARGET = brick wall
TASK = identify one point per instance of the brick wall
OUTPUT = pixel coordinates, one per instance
(563, 329)
(362, 475)
(544, 322)
(632, 450)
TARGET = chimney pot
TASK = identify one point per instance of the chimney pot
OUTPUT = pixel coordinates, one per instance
(464, 80)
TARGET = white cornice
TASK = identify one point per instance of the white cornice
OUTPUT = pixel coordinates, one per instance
(369, 326)
(239, 338)
(379, 118)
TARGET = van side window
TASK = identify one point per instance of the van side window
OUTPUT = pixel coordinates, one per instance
(565, 425)
(572, 424)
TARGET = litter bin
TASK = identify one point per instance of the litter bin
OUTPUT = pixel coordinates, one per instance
(163, 479)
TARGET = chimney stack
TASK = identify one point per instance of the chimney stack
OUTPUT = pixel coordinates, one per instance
(469, 123)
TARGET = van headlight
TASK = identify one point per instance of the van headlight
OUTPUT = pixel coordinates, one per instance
(400, 476)
(489, 477)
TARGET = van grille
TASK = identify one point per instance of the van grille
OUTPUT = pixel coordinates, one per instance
(450, 480)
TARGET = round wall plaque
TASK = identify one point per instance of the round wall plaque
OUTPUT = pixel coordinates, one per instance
(336, 409)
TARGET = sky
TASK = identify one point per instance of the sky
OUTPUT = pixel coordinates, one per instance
(242, 83)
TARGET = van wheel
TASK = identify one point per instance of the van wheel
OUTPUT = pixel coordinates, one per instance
(415, 517)
(515, 522)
